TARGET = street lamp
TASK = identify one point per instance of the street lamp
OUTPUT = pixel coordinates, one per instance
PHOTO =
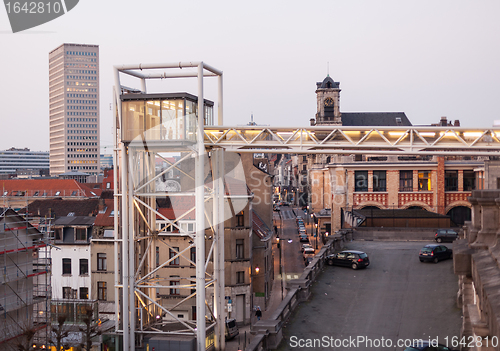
(316, 226)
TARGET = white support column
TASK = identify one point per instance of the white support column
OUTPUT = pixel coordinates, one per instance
(218, 220)
(200, 219)
(115, 206)
(220, 109)
(125, 256)
(131, 261)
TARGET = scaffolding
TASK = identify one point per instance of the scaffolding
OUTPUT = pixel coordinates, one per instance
(25, 280)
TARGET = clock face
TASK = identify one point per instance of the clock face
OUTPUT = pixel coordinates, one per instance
(329, 101)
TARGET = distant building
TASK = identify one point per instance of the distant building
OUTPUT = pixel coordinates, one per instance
(24, 163)
(74, 109)
(106, 162)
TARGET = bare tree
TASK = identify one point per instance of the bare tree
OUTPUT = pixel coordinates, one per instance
(90, 331)
(24, 342)
(60, 332)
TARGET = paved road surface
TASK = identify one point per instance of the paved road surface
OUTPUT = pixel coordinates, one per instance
(396, 297)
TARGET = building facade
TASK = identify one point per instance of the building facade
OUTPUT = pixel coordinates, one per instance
(24, 163)
(74, 109)
(343, 183)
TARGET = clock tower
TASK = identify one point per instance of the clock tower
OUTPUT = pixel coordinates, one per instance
(328, 102)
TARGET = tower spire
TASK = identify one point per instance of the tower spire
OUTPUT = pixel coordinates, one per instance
(328, 69)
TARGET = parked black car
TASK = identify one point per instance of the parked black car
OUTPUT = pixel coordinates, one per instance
(303, 238)
(445, 235)
(426, 346)
(434, 253)
(349, 258)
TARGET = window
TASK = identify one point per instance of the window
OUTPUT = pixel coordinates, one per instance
(193, 281)
(424, 181)
(469, 180)
(240, 219)
(67, 292)
(81, 234)
(192, 255)
(58, 233)
(240, 277)
(304, 167)
(174, 291)
(84, 266)
(66, 265)
(172, 253)
(405, 180)
(361, 181)
(108, 185)
(84, 293)
(101, 262)
(379, 181)
(157, 256)
(102, 294)
(239, 248)
(451, 181)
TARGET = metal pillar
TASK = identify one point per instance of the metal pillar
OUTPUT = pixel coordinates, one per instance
(200, 219)
(218, 204)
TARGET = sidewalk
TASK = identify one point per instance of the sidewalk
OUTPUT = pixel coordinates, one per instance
(238, 343)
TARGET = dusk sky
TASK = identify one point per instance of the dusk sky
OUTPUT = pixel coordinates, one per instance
(425, 58)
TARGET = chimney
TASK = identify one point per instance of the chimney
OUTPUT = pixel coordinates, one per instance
(457, 123)
(312, 121)
(444, 121)
(102, 205)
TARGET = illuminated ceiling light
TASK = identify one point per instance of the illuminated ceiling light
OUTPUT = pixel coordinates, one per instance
(427, 134)
(472, 134)
(397, 134)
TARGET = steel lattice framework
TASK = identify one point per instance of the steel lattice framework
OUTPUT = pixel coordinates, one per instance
(443, 140)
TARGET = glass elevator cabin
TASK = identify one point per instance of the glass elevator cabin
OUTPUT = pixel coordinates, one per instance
(157, 118)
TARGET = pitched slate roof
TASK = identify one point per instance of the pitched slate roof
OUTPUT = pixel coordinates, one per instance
(327, 83)
(60, 208)
(74, 220)
(380, 119)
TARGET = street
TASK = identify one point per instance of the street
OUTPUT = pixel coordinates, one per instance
(395, 298)
(292, 259)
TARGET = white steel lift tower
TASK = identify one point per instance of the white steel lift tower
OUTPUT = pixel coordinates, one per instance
(147, 126)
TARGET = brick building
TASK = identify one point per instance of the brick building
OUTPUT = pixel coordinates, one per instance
(346, 182)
